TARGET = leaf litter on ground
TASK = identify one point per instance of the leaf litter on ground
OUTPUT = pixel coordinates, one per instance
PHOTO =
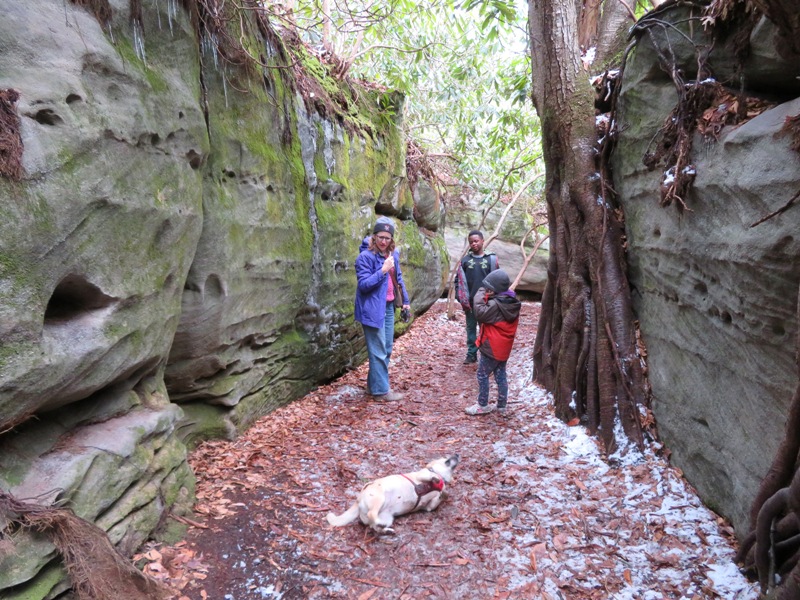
(534, 511)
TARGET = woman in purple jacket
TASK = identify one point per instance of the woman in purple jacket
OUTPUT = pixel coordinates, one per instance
(380, 289)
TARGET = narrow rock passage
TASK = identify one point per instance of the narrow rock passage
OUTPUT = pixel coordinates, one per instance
(533, 511)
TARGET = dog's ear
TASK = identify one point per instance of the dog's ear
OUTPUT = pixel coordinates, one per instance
(453, 461)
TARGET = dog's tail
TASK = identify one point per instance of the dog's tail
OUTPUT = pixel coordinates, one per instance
(350, 515)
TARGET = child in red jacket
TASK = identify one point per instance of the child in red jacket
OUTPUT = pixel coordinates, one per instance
(497, 310)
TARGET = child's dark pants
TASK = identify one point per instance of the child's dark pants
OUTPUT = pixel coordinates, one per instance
(487, 366)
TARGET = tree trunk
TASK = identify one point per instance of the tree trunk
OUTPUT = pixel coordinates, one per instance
(613, 29)
(586, 352)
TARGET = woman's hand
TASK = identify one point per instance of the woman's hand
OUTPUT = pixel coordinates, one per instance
(388, 264)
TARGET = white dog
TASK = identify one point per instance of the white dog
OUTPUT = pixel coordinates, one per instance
(384, 499)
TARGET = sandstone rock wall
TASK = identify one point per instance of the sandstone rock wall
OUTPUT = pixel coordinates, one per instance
(176, 261)
(716, 297)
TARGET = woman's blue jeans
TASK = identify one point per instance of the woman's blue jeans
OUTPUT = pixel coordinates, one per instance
(380, 342)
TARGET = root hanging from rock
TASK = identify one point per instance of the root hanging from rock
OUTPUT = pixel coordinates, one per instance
(674, 147)
(101, 9)
(96, 569)
(791, 127)
(770, 551)
(10, 138)
(704, 104)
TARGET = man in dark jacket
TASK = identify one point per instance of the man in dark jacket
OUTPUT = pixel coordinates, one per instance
(497, 310)
(476, 265)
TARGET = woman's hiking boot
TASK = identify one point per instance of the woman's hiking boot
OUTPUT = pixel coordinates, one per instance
(390, 396)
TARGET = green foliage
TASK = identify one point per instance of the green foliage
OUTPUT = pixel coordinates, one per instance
(464, 70)
(642, 6)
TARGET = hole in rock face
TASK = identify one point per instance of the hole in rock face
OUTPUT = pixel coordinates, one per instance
(214, 286)
(195, 159)
(73, 297)
(73, 98)
(46, 116)
(778, 329)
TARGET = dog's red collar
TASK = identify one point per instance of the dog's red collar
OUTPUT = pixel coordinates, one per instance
(426, 487)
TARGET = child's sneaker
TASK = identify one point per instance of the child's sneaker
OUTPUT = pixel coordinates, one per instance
(477, 409)
(502, 411)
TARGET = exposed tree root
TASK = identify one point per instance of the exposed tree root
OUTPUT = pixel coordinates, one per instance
(95, 567)
(101, 9)
(773, 545)
(586, 350)
(771, 551)
(791, 127)
(786, 17)
(704, 104)
(10, 138)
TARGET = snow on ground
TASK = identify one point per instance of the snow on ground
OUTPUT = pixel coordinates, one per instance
(655, 538)
(534, 512)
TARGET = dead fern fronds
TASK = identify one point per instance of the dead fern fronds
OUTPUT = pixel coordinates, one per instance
(419, 164)
(728, 108)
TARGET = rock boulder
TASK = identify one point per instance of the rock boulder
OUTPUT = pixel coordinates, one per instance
(716, 296)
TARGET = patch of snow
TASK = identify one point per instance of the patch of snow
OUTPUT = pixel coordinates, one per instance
(572, 523)
(345, 392)
(649, 537)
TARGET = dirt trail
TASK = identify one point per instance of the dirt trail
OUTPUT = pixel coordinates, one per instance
(533, 512)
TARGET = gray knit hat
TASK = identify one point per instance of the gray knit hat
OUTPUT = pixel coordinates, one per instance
(497, 281)
(384, 224)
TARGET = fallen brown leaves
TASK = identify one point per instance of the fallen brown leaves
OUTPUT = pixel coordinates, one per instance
(725, 110)
(527, 516)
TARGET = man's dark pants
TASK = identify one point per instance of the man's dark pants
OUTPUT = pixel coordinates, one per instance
(472, 334)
